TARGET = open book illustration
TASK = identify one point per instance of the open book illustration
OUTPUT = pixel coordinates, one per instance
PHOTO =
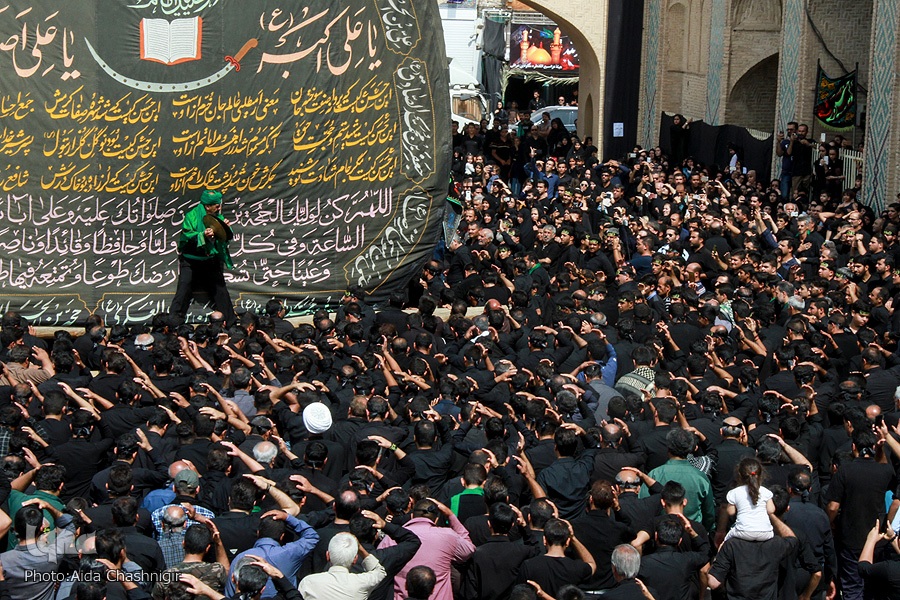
(171, 43)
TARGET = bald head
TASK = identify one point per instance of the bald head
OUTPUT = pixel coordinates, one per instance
(177, 467)
(873, 411)
(732, 427)
(265, 452)
(144, 340)
(628, 480)
(493, 305)
(174, 517)
(611, 434)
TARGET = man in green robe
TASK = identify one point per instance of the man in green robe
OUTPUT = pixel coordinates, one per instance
(203, 257)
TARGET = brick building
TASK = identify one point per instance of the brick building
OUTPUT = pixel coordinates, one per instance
(750, 63)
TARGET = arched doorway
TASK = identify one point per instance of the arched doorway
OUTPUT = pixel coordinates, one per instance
(752, 100)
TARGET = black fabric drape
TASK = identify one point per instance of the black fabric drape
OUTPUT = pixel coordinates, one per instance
(623, 75)
(492, 59)
(709, 144)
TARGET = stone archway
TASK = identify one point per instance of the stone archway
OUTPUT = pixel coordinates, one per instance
(585, 23)
(752, 100)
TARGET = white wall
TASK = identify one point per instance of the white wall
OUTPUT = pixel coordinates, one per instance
(461, 37)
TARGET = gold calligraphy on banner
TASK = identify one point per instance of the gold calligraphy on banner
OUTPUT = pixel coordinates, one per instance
(129, 179)
(107, 142)
(239, 178)
(366, 166)
(13, 178)
(337, 136)
(345, 136)
(374, 95)
(255, 141)
(214, 108)
(82, 107)
(13, 142)
(18, 107)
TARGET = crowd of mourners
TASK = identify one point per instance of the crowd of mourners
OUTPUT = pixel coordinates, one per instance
(658, 379)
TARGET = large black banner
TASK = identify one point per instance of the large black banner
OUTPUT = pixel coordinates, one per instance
(322, 122)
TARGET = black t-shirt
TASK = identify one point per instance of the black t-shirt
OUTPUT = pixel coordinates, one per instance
(553, 572)
(749, 570)
(600, 534)
(884, 577)
(859, 487)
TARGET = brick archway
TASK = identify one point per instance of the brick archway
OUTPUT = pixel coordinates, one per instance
(585, 23)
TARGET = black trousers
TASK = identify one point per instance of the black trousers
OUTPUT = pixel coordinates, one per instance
(204, 276)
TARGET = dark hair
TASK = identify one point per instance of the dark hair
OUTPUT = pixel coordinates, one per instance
(362, 527)
(89, 591)
(669, 531)
(272, 528)
(424, 433)
(602, 495)
(474, 474)
(250, 580)
(566, 442)
(124, 511)
(126, 445)
(680, 442)
(556, 532)
(750, 473)
(217, 459)
(197, 538)
(110, 544)
(420, 582)
(54, 403)
(666, 410)
(502, 518)
(243, 495)
(540, 511)
(50, 478)
(865, 440)
(120, 480)
(367, 452)
(315, 455)
(673, 493)
(780, 498)
(28, 522)
(426, 508)
(204, 426)
(397, 501)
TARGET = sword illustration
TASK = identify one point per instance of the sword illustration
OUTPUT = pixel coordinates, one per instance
(233, 63)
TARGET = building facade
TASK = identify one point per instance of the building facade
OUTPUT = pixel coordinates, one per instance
(751, 63)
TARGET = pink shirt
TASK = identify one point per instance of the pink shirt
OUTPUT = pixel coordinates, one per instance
(440, 547)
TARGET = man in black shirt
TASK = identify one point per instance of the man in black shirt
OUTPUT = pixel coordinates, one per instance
(667, 570)
(238, 526)
(600, 533)
(637, 511)
(855, 500)
(749, 570)
(494, 569)
(566, 481)
(554, 569)
(812, 526)
(882, 579)
(626, 563)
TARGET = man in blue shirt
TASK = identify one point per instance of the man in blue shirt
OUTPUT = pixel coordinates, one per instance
(286, 558)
